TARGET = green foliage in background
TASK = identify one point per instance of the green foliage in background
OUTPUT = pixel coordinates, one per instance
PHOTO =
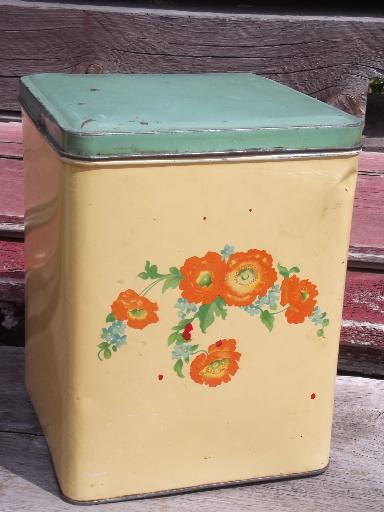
(376, 86)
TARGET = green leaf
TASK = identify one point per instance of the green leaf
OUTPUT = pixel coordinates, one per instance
(325, 322)
(283, 271)
(110, 318)
(294, 270)
(103, 345)
(178, 368)
(207, 313)
(175, 271)
(150, 271)
(114, 348)
(320, 333)
(193, 348)
(268, 319)
(175, 336)
(182, 324)
(171, 282)
(107, 353)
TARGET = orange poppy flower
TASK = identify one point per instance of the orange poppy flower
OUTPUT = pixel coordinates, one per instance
(300, 295)
(216, 367)
(203, 278)
(138, 311)
(249, 275)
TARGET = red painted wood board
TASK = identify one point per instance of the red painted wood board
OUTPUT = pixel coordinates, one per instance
(363, 303)
(11, 144)
(11, 197)
(367, 236)
(371, 162)
(363, 313)
(11, 271)
(362, 333)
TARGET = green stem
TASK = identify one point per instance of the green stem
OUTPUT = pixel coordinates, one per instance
(281, 311)
(150, 286)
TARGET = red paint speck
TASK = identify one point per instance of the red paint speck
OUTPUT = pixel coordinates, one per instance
(313, 396)
(219, 343)
(160, 377)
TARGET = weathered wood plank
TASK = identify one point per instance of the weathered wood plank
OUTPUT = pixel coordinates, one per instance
(371, 163)
(362, 333)
(356, 360)
(11, 197)
(363, 313)
(11, 144)
(354, 480)
(367, 234)
(16, 413)
(11, 292)
(328, 57)
(11, 271)
(367, 237)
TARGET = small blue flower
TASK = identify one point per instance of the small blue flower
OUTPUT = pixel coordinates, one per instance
(182, 351)
(185, 308)
(317, 317)
(253, 309)
(271, 299)
(115, 334)
(227, 251)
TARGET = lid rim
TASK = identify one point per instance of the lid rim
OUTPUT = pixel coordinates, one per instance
(44, 110)
(314, 152)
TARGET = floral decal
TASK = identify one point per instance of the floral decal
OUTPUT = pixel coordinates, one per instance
(203, 278)
(209, 285)
(249, 275)
(217, 366)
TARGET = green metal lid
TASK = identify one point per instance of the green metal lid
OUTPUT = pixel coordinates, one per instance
(125, 116)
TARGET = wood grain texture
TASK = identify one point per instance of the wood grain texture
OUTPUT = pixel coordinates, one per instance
(353, 482)
(363, 313)
(11, 143)
(11, 292)
(355, 360)
(362, 334)
(11, 197)
(367, 236)
(329, 58)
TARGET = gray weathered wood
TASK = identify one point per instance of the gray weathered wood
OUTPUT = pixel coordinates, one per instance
(330, 58)
(356, 360)
(354, 481)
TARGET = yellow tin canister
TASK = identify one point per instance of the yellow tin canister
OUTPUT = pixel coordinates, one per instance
(186, 246)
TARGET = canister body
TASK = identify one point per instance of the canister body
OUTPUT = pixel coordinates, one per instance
(127, 423)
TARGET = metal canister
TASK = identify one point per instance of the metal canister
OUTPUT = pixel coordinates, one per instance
(186, 247)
